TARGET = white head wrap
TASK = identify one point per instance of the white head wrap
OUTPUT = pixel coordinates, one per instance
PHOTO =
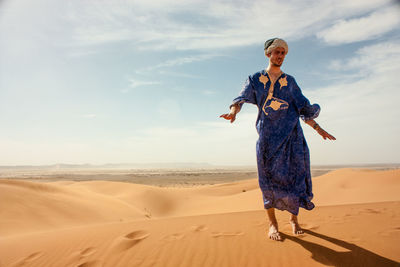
(271, 44)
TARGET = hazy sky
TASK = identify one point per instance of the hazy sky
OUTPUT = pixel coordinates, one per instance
(145, 81)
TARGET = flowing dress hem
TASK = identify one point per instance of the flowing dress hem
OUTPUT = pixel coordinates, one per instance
(294, 209)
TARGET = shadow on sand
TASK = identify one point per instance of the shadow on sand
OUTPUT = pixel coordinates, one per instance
(356, 256)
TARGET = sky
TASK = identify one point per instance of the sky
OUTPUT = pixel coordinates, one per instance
(145, 81)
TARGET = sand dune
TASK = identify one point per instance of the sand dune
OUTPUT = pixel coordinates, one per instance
(102, 223)
(347, 186)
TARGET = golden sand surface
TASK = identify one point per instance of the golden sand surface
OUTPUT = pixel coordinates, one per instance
(100, 222)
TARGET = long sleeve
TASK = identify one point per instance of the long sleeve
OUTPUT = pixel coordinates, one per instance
(246, 95)
(306, 110)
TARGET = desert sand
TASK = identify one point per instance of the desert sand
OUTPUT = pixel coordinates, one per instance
(356, 222)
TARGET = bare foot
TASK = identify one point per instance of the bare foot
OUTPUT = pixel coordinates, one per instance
(274, 233)
(296, 228)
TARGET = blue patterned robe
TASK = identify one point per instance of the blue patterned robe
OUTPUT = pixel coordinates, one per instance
(283, 158)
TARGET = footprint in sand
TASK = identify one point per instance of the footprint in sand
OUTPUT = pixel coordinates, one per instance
(173, 237)
(94, 263)
(198, 228)
(88, 251)
(137, 235)
(129, 240)
(225, 234)
(370, 211)
(80, 255)
(28, 259)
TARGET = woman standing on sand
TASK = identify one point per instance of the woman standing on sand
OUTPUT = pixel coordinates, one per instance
(283, 158)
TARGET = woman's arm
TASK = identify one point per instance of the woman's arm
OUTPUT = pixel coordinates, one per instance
(321, 131)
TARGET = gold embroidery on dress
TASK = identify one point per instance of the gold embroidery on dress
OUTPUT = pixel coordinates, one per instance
(276, 103)
(282, 82)
(263, 79)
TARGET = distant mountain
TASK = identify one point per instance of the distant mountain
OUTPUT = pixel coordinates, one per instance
(162, 165)
(182, 165)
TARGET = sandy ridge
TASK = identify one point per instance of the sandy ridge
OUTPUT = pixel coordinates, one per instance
(102, 223)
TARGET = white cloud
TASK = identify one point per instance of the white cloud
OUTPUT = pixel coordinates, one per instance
(137, 83)
(200, 25)
(362, 113)
(177, 74)
(209, 92)
(182, 61)
(364, 28)
(95, 35)
(183, 25)
(164, 68)
(81, 53)
(89, 116)
(176, 62)
(378, 59)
